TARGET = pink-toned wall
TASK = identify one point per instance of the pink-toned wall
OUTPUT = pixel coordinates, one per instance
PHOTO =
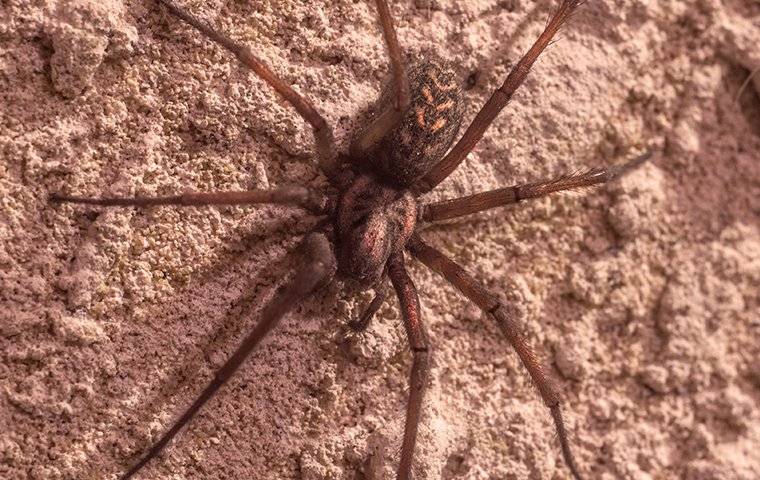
(642, 296)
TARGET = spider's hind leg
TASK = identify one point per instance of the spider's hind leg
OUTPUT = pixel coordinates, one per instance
(419, 377)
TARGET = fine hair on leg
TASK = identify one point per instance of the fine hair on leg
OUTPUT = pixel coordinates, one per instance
(479, 202)
(311, 200)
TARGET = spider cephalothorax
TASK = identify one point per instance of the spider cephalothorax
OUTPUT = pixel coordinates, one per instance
(373, 211)
(373, 221)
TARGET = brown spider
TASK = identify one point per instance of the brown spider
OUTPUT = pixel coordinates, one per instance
(371, 212)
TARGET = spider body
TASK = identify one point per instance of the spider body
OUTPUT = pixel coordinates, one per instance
(373, 220)
(374, 210)
(377, 213)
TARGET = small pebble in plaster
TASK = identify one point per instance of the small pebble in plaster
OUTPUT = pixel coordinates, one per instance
(655, 377)
(639, 199)
(89, 31)
(10, 452)
(684, 139)
(602, 409)
(317, 463)
(712, 469)
(77, 56)
(591, 283)
(701, 439)
(472, 313)
(78, 330)
(261, 179)
(729, 405)
(568, 357)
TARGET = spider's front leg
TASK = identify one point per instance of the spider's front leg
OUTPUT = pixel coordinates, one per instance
(418, 342)
(311, 200)
(489, 303)
(317, 268)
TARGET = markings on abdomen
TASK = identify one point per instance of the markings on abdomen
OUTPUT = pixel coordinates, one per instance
(428, 96)
(445, 105)
(420, 111)
(446, 87)
(429, 113)
(439, 123)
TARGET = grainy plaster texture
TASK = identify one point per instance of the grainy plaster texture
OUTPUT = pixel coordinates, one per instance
(641, 296)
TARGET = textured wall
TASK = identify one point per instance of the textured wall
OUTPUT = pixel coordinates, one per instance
(642, 295)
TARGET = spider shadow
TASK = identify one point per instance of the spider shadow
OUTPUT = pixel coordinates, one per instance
(501, 55)
(591, 20)
(194, 349)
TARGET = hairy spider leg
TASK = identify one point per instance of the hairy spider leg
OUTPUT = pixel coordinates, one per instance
(479, 202)
(489, 303)
(400, 80)
(389, 117)
(327, 152)
(311, 200)
(497, 102)
(317, 269)
(419, 376)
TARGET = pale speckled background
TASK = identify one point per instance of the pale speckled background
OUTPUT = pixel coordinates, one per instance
(643, 296)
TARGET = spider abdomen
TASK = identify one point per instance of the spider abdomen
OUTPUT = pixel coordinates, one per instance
(427, 127)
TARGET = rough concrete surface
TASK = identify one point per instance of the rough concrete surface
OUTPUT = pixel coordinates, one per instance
(641, 296)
